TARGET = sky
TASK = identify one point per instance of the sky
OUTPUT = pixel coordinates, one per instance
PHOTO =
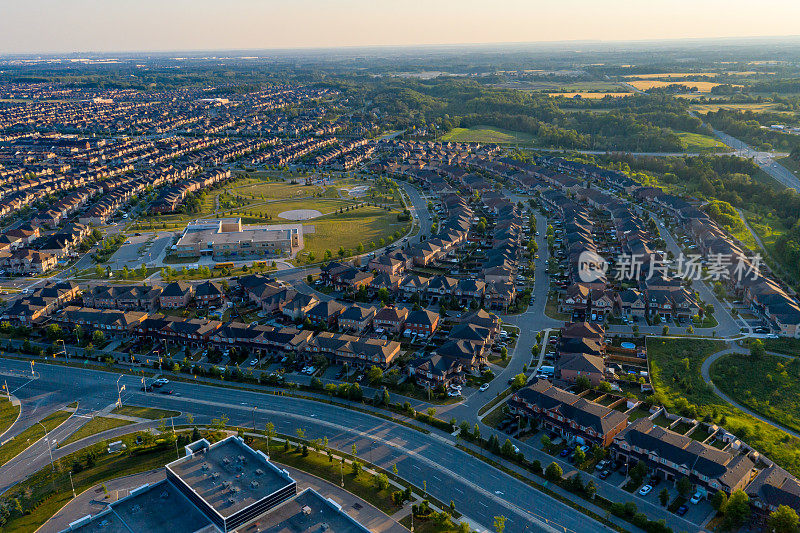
(41, 26)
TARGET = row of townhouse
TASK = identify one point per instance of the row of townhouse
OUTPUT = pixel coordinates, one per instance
(743, 274)
(172, 196)
(726, 467)
(465, 351)
(41, 303)
(198, 333)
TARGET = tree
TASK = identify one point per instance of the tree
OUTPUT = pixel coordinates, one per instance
(580, 456)
(519, 381)
(269, 432)
(719, 500)
(757, 350)
(590, 489)
(737, 509)
(553, 472)
(545, 440)
(507, 449)
(499, 524)
(665, 330)
(783, 520)
(374, 375)
(684, 486)
(663, 497)
(98, 337)
(583, 383)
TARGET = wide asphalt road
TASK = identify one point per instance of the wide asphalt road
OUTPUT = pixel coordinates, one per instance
(481, 492)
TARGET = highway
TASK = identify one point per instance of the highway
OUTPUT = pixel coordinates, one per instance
(481, 492)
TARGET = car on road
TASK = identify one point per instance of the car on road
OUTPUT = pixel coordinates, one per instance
(484, 387)
(166, 391)
(682, 510)
(147, 388)
(162, 381)
(696, 497)
(644, 491)
(253, 362)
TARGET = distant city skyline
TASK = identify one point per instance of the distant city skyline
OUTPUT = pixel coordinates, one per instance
(55, 26)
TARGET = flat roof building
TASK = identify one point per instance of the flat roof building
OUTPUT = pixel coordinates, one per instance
(222, 487)
(227, 237)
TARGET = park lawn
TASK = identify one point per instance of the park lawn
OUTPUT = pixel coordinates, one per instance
(8, 414)
(273, 209)
(96, 425)
(775, 395)
(486, 134)
(24, 440)
(273, 190)
(675, 375)
(144, 412)
(365, 225)
(695, 142)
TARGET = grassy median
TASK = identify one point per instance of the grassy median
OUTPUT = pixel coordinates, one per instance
(95, 425)
(8, 414)
(21, 442)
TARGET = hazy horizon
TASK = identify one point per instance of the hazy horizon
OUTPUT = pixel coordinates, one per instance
(97, 26)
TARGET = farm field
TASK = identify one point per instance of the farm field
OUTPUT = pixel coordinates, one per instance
(672, 75)
(590, 95)
(559, 86)
(487, 134)
(675, 374)
(705, 108)
(643, 85)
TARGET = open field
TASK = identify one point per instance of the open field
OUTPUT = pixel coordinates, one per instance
(675, 374)
(695, 142)
(144, 412)
(590, 95)
(702, 86)
(95, 425)
(776, 395)
(560, 86)
(673, 75)
(8, 414)
(371, 224)
(21, 442)
(705, 108)
(273, 209)
(784, 345)
(487, 134)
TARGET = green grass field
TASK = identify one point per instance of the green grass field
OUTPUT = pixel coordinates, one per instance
(675, 375)
(487, 134)
(94, 426)
(21, 442)
(371, 224)
(695, 142)
(144, 412)
(775, 395)
(8, 414)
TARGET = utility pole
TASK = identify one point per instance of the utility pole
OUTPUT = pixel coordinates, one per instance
(254, 417)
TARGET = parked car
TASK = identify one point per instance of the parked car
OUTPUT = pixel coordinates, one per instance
(696, 497)
(604, 474)
(565, 452)
(644, 491)
(602, 464)
(484, 387)
(253, 362)
(682, 510)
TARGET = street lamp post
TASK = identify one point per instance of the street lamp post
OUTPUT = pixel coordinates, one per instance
(49, 449)
(71, 483)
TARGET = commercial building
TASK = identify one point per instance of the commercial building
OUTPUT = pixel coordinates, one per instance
(222, 487)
